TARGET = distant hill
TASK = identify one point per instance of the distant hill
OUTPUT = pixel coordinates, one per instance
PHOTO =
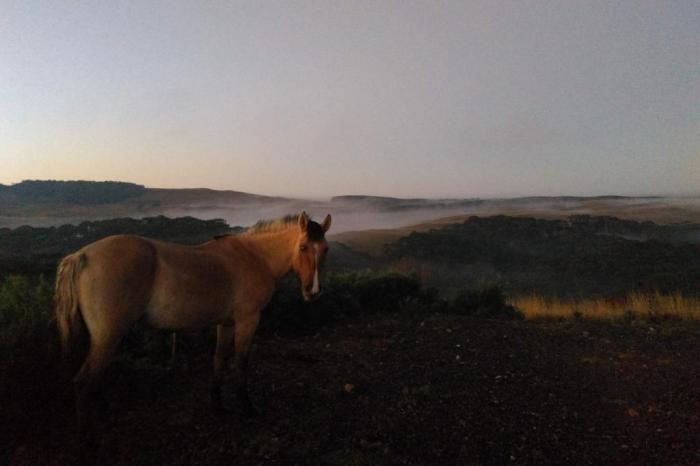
(106, 192)
(389, 204)
(68, 192)
(54, 203)
(103, 199)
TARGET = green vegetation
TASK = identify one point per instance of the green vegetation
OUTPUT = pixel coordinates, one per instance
(37, 250)
(350, 294)
(28, 340)
(580, 257)
(25, 304)
(487, 301)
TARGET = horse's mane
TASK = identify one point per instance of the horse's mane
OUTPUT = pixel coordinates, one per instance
(269, 226)
(315, 231)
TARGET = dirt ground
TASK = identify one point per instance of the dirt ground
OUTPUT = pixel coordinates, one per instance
(393, 389)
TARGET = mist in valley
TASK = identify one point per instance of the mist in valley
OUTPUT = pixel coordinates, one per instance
(358, 213)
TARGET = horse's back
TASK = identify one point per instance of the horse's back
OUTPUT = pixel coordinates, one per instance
(128, 258)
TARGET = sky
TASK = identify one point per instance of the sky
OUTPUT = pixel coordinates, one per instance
(478, 98)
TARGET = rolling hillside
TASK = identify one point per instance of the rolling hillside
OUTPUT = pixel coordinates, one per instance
(54, 203)
(48, 203)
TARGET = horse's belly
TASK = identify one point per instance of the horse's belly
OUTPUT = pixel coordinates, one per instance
(190, 292)
(182, 311)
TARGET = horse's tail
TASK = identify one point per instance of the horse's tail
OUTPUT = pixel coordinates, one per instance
(68, 315)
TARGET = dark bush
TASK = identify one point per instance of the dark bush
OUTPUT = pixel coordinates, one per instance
(35, 249)
(26, 308)
(486, 301)
(29, 349)
(581, 256)
(347, 295)
(390, 292)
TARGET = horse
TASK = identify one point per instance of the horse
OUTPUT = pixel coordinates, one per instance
(108, 285)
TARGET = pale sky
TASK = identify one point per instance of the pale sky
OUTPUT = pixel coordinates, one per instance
(313, 99)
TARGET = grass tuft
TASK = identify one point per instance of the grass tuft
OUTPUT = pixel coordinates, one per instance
(650, 306)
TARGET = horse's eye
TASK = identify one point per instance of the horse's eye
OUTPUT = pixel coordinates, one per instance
(302, 248)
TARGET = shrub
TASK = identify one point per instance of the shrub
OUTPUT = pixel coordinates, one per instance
(25, 310)
(376, 293)
(486, 301)
(28, 344)
(345, 295)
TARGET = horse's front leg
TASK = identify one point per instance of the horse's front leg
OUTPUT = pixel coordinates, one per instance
(224, 348)
(245, 330)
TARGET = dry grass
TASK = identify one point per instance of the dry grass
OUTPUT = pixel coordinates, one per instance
(653, 305)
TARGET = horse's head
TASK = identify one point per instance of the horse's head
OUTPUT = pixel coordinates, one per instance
(310, 253)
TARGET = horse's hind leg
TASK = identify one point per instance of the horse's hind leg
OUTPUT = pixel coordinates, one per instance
(87, 381)
(224, 348)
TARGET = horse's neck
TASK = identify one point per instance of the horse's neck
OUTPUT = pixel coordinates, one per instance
(276, 249)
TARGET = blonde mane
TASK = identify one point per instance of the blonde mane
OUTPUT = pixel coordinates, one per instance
(271, 226)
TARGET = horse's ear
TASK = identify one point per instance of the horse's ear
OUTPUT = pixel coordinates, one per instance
(326, 225)
(303, 221)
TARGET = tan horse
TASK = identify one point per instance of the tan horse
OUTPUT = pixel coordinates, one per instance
(110, 284)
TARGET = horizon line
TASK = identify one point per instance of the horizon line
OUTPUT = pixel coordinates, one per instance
(379, 196)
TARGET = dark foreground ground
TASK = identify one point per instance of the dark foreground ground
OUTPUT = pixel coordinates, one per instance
(397, 390)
